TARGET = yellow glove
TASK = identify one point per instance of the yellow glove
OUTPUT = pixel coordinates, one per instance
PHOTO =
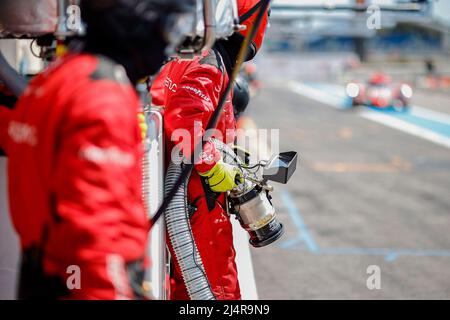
(223, 177)
(142, 125)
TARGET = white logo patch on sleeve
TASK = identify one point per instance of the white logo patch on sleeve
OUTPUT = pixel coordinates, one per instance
(23, 133)
(111, 155)
(197, 92)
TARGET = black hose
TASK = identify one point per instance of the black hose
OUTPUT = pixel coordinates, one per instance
(215, 116)
(13, 81)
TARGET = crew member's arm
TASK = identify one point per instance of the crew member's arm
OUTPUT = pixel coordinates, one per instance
(191, 107)
(97, 185)
(156, 90)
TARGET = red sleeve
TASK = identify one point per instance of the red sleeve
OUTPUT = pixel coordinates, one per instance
(157, 88)
(190, 109)
(98, 175)
(5, 114)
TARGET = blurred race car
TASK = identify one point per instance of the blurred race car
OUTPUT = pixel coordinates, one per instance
(380, 92)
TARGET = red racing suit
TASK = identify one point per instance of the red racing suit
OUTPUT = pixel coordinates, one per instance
(74, 152)
(192, 92)
(157, 87)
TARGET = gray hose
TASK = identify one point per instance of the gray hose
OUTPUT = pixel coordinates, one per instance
(182, 240)
(180, 232)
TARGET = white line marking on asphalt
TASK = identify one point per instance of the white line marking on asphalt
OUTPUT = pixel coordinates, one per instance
(430, 114)
(335, 100)
(406, 127)
(315, 94)
(246, 274)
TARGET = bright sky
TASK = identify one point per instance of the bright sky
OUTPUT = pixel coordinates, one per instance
(441, 8)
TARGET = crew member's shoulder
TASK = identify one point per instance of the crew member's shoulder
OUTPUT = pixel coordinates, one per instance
(77, 67)
(213, 59)
(209, 62)
(107, 69)
(101, 87)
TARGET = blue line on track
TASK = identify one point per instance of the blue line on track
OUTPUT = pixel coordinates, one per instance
(435, 126)
(303, 233)
(304, 240)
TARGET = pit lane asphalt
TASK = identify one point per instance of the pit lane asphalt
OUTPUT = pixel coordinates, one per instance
(364, 194)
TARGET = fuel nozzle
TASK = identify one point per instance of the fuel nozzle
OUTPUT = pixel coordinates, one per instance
(252, 203)
(256, 214)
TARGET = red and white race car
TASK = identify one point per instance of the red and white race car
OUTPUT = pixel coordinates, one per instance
(380, 92)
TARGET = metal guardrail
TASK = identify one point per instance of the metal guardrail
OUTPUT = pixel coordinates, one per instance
(153, 195)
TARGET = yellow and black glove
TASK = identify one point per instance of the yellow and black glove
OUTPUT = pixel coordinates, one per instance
(223, 177)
